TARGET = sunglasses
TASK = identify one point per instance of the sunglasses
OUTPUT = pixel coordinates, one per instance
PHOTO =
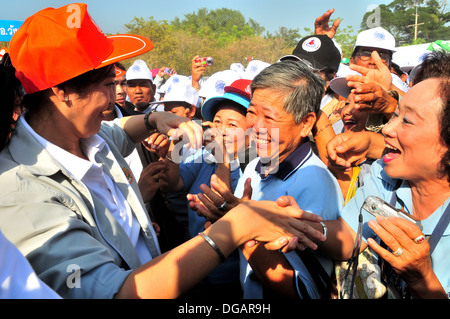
(366, 55)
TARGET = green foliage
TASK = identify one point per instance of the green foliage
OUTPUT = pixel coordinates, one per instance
(223, 34)
(399, 18)
(228, 37)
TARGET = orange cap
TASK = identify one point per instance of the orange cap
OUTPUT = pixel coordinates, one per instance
(56, 45)
(119, 72)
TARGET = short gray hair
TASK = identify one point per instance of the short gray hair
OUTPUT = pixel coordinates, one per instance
(301, 88)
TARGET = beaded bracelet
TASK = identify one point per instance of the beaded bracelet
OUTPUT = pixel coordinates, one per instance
(213, 245)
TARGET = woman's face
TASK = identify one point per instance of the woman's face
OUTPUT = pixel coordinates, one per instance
(354, 120)
(412, 136)
(231, 123)
(88, 111)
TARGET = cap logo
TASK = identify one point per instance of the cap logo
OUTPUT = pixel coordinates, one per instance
(248, 90)
(380, 36)
(136, 68)
(312, 44)
(219, 86)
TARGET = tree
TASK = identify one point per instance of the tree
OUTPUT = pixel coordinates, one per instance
(160, 33)
(290, 36)
(399, 18)
(224, 23)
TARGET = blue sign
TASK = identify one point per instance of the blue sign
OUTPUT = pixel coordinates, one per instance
(8, 28)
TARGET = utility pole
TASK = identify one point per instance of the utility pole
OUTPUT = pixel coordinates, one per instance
(415, 24)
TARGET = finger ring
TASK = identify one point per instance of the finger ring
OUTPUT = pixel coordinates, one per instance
(156, 177)
(420, 239)
(398, 252)
(223, 206)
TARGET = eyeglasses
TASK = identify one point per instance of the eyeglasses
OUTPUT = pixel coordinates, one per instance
(366, 55)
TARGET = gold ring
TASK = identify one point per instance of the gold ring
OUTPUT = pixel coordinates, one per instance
(156, 177)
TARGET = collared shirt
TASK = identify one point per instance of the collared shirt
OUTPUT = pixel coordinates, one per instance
(378, 183)
(305, 177)
(133, 160)
(92, 175)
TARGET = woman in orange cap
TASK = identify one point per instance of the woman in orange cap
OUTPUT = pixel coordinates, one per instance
(67, 201)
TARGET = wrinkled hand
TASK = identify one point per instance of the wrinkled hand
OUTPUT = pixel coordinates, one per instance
(153, 177)
(346, 149)
(321, 24)
(300, 231)
(373, 98)
(206, 204)
(380, 75)
(414, 264)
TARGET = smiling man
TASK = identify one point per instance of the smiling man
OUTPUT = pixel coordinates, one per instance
(285, 100)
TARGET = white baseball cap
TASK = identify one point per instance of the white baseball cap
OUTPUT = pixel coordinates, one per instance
(139, 70)
(217, 82)
(180, 91)
(253, 68)
(375, 38)
(174, 78)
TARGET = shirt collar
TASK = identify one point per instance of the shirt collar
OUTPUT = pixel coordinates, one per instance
(75, 165)
(290, 164)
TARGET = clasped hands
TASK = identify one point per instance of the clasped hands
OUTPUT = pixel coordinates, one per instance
(209, 205)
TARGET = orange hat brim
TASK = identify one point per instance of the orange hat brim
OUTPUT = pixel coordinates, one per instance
(126, 46)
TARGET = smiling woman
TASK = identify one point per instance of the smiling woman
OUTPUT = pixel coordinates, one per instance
(413, 176)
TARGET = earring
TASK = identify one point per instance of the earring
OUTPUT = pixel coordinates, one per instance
(66, 98)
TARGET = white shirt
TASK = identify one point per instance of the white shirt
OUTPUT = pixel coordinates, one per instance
(91, 174)
(133, 160)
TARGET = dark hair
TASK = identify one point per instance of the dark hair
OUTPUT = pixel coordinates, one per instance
(120, 66)
(436, 64)
(301, 88)
(444, 93)
(10, 89)
(226, 103)
(79, 84)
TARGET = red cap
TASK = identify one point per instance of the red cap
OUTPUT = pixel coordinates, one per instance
(241, 87)
(56, 45)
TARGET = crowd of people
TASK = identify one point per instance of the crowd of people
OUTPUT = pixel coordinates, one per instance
(256, 182)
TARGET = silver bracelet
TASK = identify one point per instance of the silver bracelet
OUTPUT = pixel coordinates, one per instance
(213, 245)
(325, 231)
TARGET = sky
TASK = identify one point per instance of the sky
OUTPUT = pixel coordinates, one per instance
(112, 15)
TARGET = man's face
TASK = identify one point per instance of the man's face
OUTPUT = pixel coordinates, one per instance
(141, 92)
(363, 57)
(273, 130)
(121, 90)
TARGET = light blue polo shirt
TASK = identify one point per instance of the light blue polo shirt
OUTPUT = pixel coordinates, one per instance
(378, 183)
(305, 177)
